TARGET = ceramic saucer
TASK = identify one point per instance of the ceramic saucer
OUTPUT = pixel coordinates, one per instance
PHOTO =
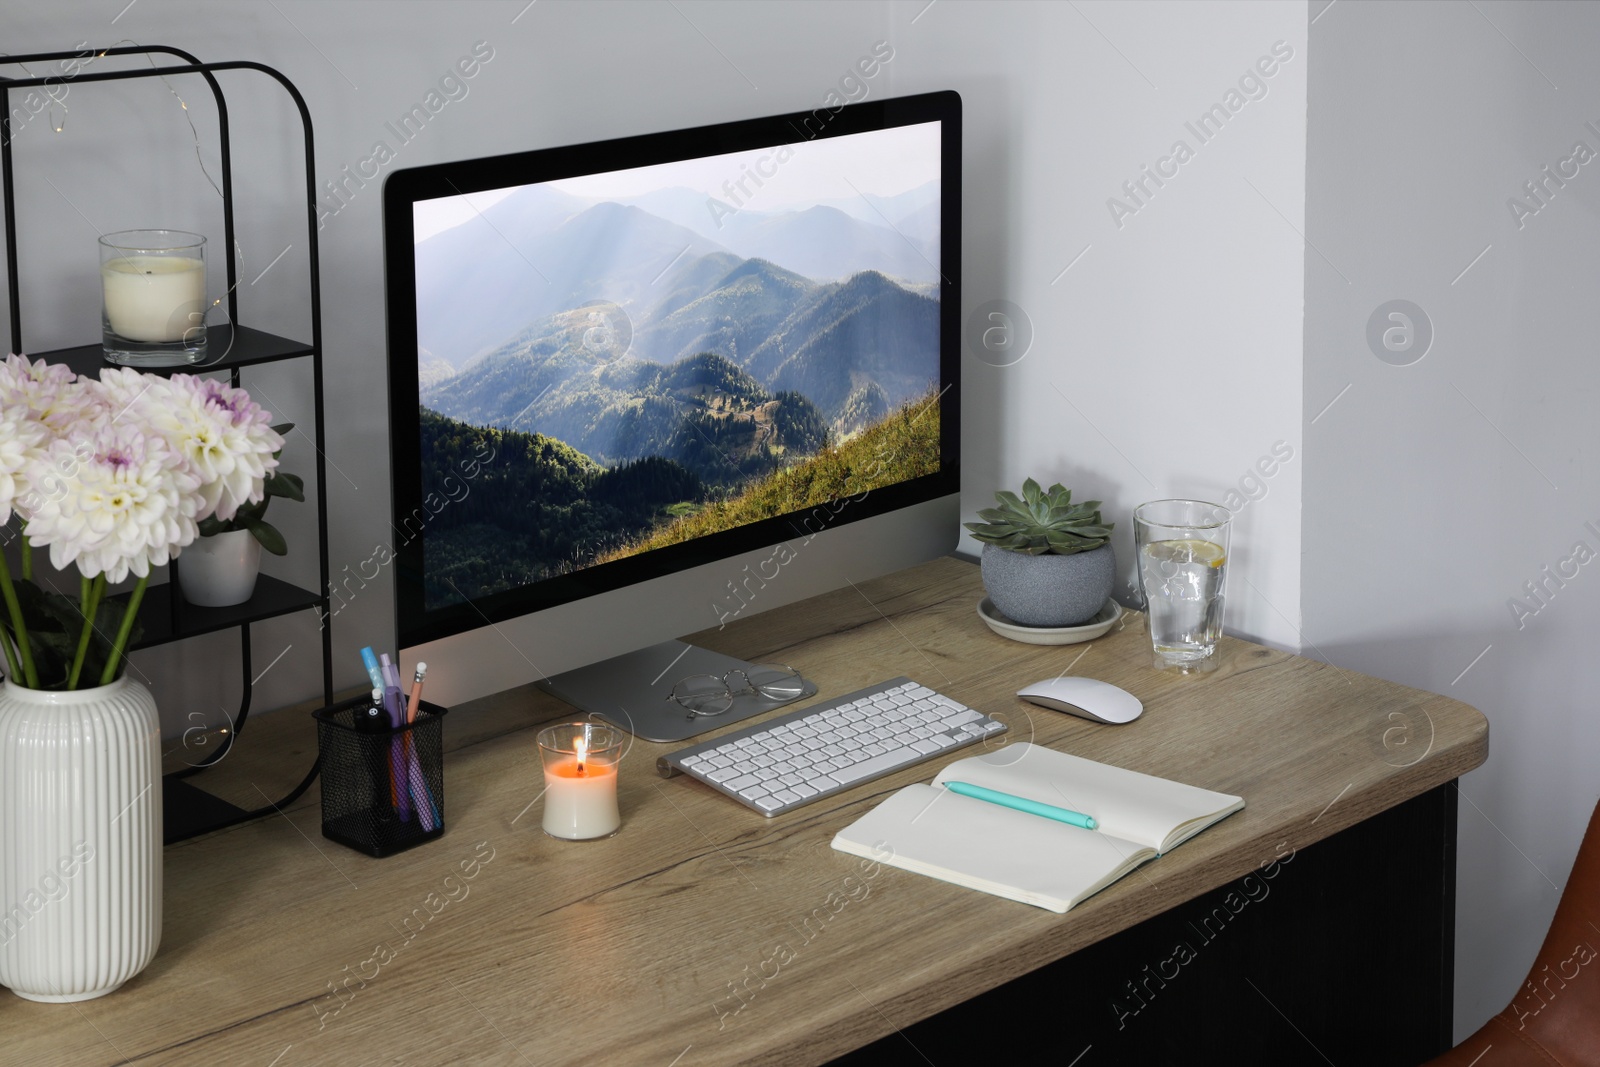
(1103, 620)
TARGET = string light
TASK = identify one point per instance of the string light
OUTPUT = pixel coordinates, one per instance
(194, 134)
(59, 125)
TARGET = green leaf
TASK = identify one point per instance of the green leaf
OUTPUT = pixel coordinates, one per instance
(1072, 514)
(210, 526)
(991, 531)
(1032, 493)
(1011, 500)
(283, 428)
(289, 486)
(268, 535)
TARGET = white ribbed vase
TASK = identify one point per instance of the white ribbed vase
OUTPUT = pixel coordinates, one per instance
(80, 839)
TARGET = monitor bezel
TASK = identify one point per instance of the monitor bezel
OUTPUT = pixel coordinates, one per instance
(414, 622)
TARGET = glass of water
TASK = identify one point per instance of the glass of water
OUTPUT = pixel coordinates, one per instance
(1183, 566)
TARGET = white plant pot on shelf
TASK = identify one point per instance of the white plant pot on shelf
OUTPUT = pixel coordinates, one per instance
(80, 839)
(220, 570)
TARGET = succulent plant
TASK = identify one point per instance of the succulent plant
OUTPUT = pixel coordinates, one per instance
(1042, 520)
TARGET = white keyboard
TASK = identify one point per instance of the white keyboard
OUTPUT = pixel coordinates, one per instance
(813, 753)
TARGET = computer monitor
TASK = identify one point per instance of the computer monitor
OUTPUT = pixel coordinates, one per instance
(642, 387)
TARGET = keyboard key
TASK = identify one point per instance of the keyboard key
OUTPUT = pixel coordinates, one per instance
(786, 796)
(803, 790)
(742, 782)
(768, 803)
(867, 768)
(722, 774)
(922, 744)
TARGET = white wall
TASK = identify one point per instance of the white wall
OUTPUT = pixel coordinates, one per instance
(1434, 491)
(1150, 334)
(1165, 361)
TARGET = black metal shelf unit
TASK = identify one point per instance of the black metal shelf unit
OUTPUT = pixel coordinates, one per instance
(166, 616)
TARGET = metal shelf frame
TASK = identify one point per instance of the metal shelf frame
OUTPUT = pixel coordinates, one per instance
(189, 810)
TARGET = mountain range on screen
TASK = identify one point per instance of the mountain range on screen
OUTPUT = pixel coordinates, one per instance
(722, 349)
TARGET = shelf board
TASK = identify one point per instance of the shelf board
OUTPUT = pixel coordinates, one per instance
(250, 347)
(272, 598)
(189, 811)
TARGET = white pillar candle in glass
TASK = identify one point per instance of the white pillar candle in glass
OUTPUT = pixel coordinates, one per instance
(580, 780)
(154, 288)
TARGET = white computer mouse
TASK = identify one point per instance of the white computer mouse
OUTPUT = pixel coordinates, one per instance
(1085, 697)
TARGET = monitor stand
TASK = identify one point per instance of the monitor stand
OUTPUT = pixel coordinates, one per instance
(634, 691)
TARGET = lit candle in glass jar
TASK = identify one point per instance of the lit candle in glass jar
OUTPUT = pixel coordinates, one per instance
(580, 780)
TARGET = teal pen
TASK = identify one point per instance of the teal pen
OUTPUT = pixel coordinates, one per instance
(1032, 807)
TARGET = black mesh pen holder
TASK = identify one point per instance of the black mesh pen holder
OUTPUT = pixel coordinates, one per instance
(382, 787)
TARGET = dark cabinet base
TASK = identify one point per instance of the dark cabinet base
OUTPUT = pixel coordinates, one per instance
(1344, 955)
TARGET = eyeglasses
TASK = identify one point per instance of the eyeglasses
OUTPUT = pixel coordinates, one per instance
(706, 694)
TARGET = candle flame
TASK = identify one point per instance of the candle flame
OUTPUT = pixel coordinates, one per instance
(582, 745)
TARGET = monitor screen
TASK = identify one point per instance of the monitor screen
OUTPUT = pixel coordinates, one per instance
(614, 361)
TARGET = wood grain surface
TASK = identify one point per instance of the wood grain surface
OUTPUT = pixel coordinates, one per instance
(703, 933)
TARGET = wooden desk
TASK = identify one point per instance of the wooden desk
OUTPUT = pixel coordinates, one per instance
(705, 934)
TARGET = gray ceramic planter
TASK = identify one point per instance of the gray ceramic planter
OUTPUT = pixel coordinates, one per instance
(1049, 590)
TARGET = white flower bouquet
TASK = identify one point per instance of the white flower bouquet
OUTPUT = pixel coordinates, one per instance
(114, 476)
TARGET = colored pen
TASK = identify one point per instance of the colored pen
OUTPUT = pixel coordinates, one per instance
(416, 692)
(397, 759)
(370, 719)
(391, 673)
(370, 661)
(427, 810)
(1032, 807)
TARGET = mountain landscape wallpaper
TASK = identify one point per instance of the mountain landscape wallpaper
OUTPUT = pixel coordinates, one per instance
(662, 353)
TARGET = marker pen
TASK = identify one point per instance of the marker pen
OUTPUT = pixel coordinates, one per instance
(370, 661)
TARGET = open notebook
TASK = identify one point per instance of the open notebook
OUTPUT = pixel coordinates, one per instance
(981, 845)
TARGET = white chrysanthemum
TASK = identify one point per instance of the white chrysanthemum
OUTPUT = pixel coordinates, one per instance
(22, 441)
(125, 501)
(225, 437)
(47, 392)
(126, 396)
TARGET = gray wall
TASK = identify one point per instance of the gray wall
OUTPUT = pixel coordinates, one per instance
(1434, 491)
